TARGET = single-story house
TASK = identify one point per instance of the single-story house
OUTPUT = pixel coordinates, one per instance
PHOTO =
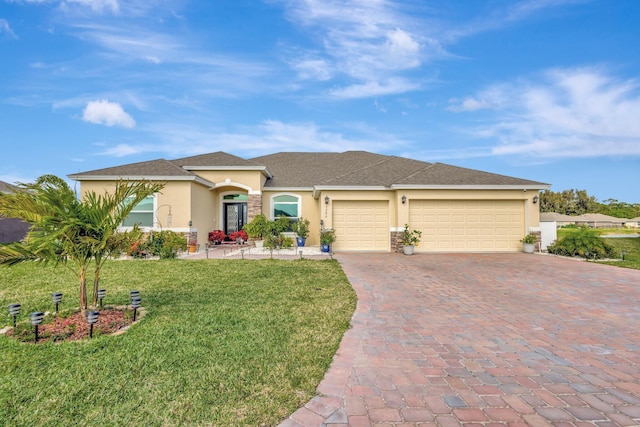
(596, 220)
(366, 198)
(633, 222)
(11, 229)
(560, 219)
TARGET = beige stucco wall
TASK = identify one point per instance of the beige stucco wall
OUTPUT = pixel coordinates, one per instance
(248, 180)
(309, 210)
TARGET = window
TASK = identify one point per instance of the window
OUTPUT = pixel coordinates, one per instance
(142, 214)
(286, 205)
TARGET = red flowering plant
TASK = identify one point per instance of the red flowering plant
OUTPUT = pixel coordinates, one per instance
(217, 236)
(138, 249)
(241, 234)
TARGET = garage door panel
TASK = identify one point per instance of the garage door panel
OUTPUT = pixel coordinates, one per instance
(361, 225)
(468, 225)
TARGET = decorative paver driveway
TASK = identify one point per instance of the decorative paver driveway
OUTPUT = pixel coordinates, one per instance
(484, 340)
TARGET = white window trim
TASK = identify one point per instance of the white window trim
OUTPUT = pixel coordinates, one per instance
(154, 221)
(297, 196)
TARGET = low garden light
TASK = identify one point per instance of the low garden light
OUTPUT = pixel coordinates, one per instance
(135, 302)
(14, 310)
(623, 253)
(101, 294)
(56, 297)
(92, 319)
(36, 319)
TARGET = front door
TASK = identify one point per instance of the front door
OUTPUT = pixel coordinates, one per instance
(235, 217)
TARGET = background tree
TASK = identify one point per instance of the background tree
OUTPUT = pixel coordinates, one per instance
(65, 229)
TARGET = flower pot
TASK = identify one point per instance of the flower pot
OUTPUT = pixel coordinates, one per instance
(301, 241)
(529, 247)
(408, 249)
(192, 248)
(259, 243)
(325, 248)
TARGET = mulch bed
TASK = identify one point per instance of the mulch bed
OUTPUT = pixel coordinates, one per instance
(75, 327)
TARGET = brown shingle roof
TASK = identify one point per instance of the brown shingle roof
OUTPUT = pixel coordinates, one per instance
(151, 168)
(218, 158)
(307, 170)
(442, 174)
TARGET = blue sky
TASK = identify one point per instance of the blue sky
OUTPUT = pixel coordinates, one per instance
(547, 90)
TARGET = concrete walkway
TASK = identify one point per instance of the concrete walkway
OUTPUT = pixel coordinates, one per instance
(484, 340)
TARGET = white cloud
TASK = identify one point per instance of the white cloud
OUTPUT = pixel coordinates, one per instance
(568, 113)
(6, 28)
(467, 104)
(98, 6)
(375, 88)
(369, 42)
(176, 140)
(107, 113)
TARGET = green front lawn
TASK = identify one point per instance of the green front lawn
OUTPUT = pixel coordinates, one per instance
(632, 247)
(224, 342)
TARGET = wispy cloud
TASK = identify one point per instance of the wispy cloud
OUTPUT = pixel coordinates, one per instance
(6, 28)
(107, 113)
(370, 42)
(175, 140)
(566, 113)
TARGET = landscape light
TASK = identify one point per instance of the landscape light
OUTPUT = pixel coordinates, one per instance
(92, 319)
(135, 303)
(36, 319)
(14, 310)
(101, 294)
(623, 254)
(56, 297)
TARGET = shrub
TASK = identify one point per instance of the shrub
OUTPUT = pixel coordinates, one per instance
(582, 242)
(217, 236)
(241, 234)
(166, 243)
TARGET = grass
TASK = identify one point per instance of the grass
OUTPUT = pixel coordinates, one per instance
(225, 342)
(629, 244)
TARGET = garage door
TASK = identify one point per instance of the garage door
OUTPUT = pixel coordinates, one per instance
(468, 225)
(361, 225)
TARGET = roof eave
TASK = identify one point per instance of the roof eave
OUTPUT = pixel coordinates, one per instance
(526, 187)
(141, 178)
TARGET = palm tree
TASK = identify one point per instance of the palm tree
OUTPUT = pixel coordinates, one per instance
(67, 229)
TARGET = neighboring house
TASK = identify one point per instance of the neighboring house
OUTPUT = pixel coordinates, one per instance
(560, 219)
(596, 220)
(365, 197)
(633, 222)
(11, 229)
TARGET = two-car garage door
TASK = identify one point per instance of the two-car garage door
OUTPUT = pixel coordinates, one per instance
(446, 225)
(468, 225)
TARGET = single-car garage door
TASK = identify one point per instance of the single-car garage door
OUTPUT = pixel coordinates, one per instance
(361, 225)
(468, 225)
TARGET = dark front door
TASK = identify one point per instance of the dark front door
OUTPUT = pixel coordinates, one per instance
(235, 217)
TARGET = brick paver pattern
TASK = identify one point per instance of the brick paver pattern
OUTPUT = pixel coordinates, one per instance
(484, 340)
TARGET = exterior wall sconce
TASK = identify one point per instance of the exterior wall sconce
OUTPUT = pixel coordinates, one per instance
(404, 199)
(535, 199)
(326, 200)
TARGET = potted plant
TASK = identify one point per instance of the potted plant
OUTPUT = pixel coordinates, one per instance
(529, 243)
(410, 239)
(217, 236)
(301, 229)
(257, 229)
(239, 236)
(327, 237)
